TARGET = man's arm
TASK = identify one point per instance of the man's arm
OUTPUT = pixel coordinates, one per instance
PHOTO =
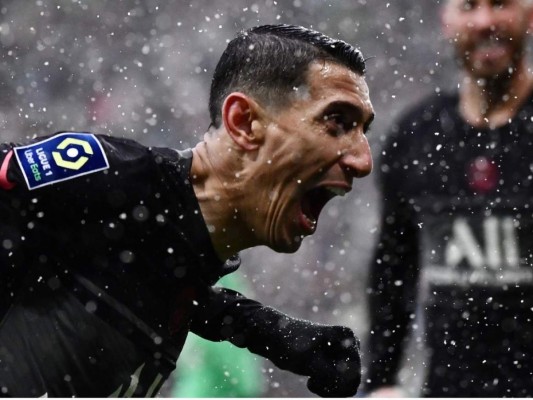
(71, 169)
(329, 355)
(394, 272)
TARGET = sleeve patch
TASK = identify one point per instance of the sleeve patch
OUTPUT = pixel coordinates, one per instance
(59, 158)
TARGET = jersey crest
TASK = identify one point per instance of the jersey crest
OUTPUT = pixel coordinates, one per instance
(59, 158)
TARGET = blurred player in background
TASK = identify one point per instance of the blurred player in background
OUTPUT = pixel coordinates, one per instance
(457, 227)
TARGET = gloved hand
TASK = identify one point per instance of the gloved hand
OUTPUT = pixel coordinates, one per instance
(335, 367)
(328, 355)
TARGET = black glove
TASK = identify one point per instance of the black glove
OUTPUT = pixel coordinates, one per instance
(335, 362)
(328, 355)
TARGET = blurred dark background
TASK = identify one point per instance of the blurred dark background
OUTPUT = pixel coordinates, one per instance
(142, 69)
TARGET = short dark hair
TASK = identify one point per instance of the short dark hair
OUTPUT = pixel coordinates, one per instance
(269, 61)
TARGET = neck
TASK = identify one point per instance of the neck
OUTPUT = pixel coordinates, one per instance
(493, 102)
(216, 183)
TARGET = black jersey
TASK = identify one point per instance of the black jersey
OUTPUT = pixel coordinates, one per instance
(105, 261)
(456, 248)
(106, 264)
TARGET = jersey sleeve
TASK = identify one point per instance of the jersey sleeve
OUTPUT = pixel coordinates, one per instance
(228, 315)
(49, 160)
(394, 271)
(69, 172)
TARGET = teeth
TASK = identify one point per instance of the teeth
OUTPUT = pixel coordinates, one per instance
(311, 221)
(337, 191)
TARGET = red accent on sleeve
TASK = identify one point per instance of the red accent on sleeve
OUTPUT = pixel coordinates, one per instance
(4, 182)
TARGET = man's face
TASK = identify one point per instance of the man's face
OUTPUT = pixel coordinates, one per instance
(312, 151)
(488, 35)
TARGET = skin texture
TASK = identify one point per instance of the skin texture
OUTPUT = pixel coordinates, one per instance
(489, 39)
(252, 175)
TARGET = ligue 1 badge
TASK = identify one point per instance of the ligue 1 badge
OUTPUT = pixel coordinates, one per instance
(482, 175)
(59, 158)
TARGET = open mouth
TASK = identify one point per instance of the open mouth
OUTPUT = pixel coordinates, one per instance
(491, 48)
(492, 45)
(314, 201)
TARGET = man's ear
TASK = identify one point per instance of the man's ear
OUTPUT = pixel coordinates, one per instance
(238, 114)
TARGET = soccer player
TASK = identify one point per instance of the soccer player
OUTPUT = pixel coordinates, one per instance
(456, 241)
(110, 250)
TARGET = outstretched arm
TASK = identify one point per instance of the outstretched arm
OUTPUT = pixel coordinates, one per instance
(328, 355)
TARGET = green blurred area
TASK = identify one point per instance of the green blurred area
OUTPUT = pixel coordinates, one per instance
(218, 369)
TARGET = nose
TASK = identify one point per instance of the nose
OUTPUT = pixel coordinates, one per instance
(357, 160)
(482, 18)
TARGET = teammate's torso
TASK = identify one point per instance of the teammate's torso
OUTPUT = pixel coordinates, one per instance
(471, 197)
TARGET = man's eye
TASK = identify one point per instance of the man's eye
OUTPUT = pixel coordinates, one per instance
(337, 124)
(336, 118)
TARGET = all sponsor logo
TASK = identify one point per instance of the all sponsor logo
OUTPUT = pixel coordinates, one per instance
(499, 249)
(482, 250)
